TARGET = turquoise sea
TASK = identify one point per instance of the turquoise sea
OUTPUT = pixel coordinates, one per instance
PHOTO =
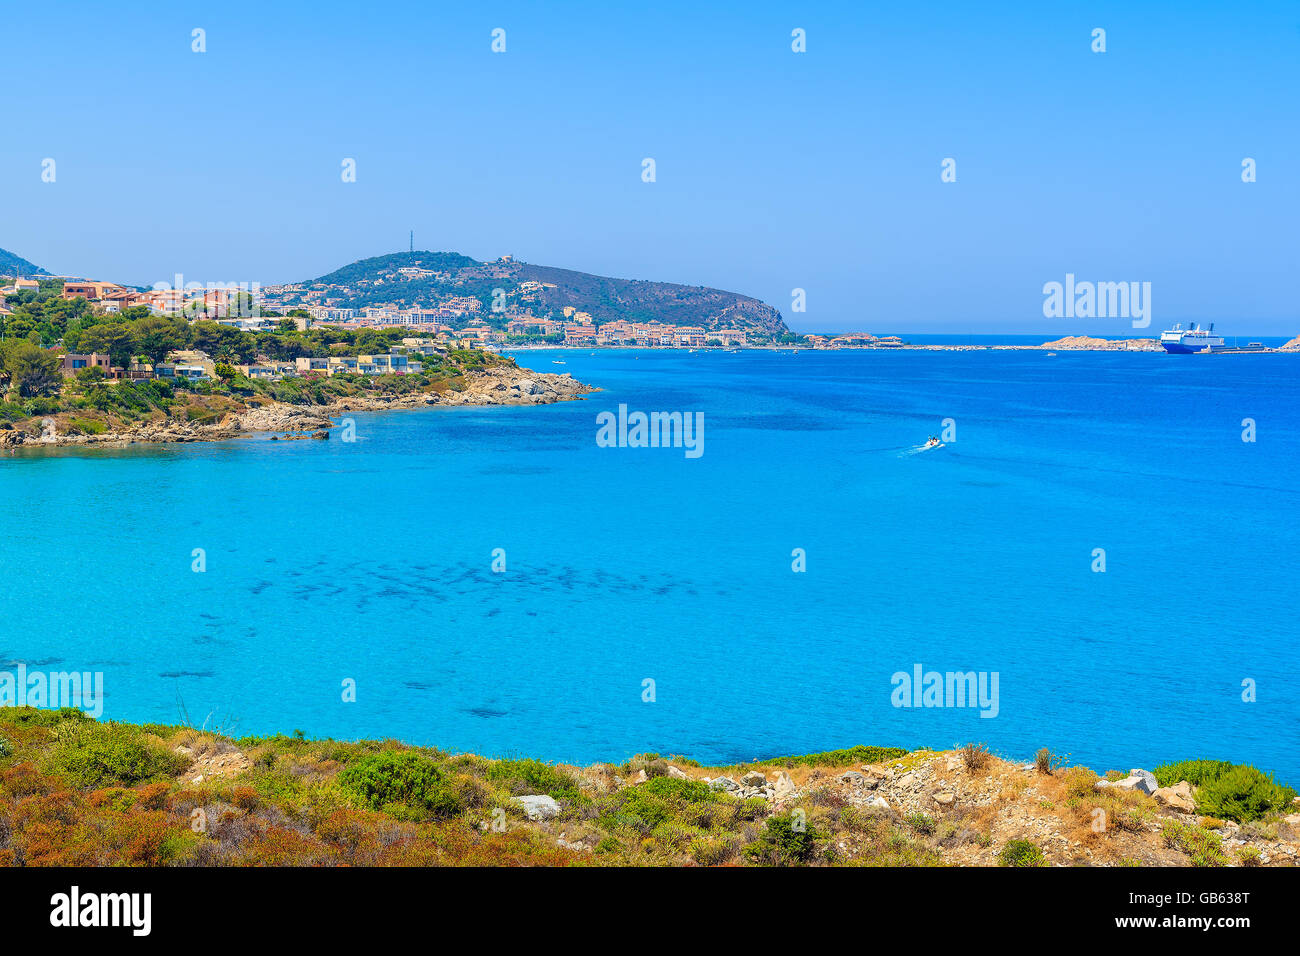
(372, 561)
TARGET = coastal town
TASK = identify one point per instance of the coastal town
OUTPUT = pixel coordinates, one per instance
(435, 303)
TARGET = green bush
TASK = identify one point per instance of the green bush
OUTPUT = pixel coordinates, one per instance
(402, 783)
(40, 716)
(783, 842)
(1204, 847)
(6, 748)
(534, 776)
(656, 801)
(1242, 793)
(1196, 772)
(1021, 853)
(842, 758)
(88, 426)
(920, 822)
(93, 755)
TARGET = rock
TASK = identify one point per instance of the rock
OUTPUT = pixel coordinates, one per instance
(1178, 797)
(784, 786)
(640, 777)
(944, 799)
(853, 778)
(1292, 819)
(1146, 784)
(675, 773)
(538, 807)
(754, 779)
(322, 434)
(724, 783)
(873, 778)
(1150, 785)
(880, 803)
(907, 780)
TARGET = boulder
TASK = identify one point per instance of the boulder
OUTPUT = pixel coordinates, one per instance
(944, 799)
(724, 783)
(538, 807)
(676, 773)
(1178, 797)
(754, 779)
(880, 803)
(872, 778)
(784, 787)
(1145, 784)
(1149, 785)
(853, 778)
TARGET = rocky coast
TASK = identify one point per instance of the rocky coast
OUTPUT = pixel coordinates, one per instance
(504, 384)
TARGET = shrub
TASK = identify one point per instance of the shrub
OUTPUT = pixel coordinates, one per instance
(6, 748)
(842, 758)
(93, 755)
(1079, 782)
(1043, 761)
(783, 842)
(1196, 772)
(664, 798)
(402, 783)
(1021, 853)
(88, 426)
(920, 822)
(1204, 848)
(975, 756)
(534, 776)
(1242, 793)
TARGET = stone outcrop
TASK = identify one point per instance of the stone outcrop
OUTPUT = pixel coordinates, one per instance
(539, 806)
(1178, 797)
(1088, 343)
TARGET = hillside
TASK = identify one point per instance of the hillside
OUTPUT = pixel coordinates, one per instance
(434, 277)
(11, 264)
(77, 792)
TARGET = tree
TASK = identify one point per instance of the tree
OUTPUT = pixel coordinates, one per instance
(30, 369)
(113, 338)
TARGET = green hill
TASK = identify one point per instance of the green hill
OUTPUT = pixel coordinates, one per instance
(431, 278)
(11, 264)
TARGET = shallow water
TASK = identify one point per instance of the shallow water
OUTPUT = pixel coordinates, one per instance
(372, 561)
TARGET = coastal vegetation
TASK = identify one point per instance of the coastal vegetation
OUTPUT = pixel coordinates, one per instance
(75, 791)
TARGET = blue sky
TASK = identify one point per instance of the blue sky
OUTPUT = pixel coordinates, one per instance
(775, 170)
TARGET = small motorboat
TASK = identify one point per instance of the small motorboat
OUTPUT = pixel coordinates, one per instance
(932, 442)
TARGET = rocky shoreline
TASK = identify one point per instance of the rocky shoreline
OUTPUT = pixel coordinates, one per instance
(498, 385)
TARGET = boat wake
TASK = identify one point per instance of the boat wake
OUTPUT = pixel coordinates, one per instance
(907, 452)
